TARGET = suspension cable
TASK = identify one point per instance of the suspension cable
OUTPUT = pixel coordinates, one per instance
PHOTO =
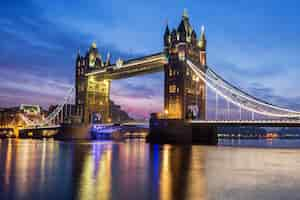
(204, 78)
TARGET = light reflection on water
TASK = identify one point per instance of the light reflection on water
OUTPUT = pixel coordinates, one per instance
(36, 169)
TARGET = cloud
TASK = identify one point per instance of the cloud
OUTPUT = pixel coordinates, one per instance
(39, 41)
(268, 94)
(31, 88)
(139, 96)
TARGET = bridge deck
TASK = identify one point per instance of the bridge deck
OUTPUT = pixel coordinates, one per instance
(42, 128)
(260, 123)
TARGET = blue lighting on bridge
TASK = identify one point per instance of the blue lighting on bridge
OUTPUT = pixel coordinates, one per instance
(103, 131)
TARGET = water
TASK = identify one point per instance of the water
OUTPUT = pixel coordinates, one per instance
(35, 169)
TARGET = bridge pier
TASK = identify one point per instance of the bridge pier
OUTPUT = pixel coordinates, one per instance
(74, 132)
(179, 131)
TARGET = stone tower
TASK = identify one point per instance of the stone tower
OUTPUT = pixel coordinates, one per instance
(92, 94)
(185, 93)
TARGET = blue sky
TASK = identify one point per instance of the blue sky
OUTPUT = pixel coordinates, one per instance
(253, 44)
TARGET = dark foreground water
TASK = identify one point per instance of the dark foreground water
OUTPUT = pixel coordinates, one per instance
(33, 169)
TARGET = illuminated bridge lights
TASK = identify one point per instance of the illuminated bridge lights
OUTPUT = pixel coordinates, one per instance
(144, 64)
(240, 98)
(47, 122)
(210, 78)
(245, 121)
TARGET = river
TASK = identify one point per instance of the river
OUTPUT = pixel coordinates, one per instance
(235, 169)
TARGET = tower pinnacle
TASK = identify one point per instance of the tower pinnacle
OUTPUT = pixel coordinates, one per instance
(185, 13)
(202, 40)
(107, 62)
(94, 45)
(202, 29)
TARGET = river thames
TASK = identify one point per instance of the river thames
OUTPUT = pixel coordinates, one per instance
(236, 169)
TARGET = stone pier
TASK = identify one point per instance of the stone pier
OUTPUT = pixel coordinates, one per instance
(179, 131)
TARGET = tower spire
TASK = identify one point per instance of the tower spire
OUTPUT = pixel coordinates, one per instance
(167, 35)
(94, 45)
(107, 63)
(202, 46)
(202, 39)
(185, 13)
(167, 31)
(203, 32)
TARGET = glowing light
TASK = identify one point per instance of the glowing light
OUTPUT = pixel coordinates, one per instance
(105, 82)
(213, 76)
(119, 63)
(161, 59)
(232, 97)
(181, 55)
(92, 79)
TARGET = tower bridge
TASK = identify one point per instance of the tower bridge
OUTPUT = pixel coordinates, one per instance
(183, 91)
(187, 77)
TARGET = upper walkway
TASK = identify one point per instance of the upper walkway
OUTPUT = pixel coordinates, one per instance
(132, 67)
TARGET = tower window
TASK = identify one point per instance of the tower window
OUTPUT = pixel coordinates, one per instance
(170, 72)
(187, 72)
(172, 89)
(181, 55)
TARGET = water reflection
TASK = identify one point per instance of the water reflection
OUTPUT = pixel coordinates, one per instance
(95, 178)
(135, 170)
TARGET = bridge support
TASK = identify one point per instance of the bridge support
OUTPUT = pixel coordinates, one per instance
(185, 93)
(74, 132)
(179, 131)
(97, 106)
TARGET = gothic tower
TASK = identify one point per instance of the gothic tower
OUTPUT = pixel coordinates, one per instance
(92, 95)
(185, 93)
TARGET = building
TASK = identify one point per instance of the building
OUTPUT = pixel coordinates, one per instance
(21, 116)
(91, 61)
(8, 117)
(185, 94)
(117, 114)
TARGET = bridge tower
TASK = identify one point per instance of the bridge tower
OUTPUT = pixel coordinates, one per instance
(92, 92)
(185, 94)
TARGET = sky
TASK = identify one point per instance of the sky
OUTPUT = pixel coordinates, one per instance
(253, 44)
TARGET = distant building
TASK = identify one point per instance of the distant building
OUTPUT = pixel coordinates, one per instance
(117, 114)
(30, 109)
(16, 117)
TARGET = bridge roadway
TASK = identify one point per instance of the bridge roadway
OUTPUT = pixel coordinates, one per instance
(53, 127)
(256, 123)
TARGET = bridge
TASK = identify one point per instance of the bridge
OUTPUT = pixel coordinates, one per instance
(187, 78)
(257, 123)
